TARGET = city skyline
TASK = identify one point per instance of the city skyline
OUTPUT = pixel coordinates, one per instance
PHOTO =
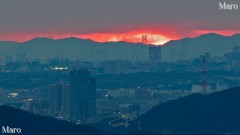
(155, 67)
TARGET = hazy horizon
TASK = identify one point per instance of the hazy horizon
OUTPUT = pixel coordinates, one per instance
(53, 38)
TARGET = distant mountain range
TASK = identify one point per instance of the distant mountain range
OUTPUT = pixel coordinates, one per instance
(73, 48)
(88, 50)
(187, 48)
(217, 112)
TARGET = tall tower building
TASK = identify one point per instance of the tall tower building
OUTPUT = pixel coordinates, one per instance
(59, 100)
(82, 96)
(144, 39)
(8, 58)
(155, 54)
(21, 57)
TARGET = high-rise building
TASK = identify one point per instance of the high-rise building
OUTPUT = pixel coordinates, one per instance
(21, 57)
(82, 95)
(117, 66)
(142, 94)
(8, 58)
(101, 94)
(155, 54)
(59, 100)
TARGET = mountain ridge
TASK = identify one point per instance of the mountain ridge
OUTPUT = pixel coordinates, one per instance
(217, 112)
(207, 34)
(88, 50)
(39, 125)
(31, 124)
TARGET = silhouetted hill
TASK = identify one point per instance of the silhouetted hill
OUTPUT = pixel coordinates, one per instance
(187, 48)
(88, 50)
(31, 124)
(75, 48)
(218, 112)
(37, 125)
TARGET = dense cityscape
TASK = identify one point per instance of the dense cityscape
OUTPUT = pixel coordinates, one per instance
(85, 92)
(111, 67)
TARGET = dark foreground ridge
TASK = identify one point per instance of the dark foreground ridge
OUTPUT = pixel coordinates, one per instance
(195, 114)
(31, 124)
(217, 112)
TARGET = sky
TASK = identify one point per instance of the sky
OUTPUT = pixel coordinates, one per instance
(115, 20)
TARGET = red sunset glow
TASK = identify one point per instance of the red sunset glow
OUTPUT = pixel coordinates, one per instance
(154, 37)
(133, 37)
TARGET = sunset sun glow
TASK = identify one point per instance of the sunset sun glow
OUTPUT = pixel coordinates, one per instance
(133, 37)
(154, 38)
